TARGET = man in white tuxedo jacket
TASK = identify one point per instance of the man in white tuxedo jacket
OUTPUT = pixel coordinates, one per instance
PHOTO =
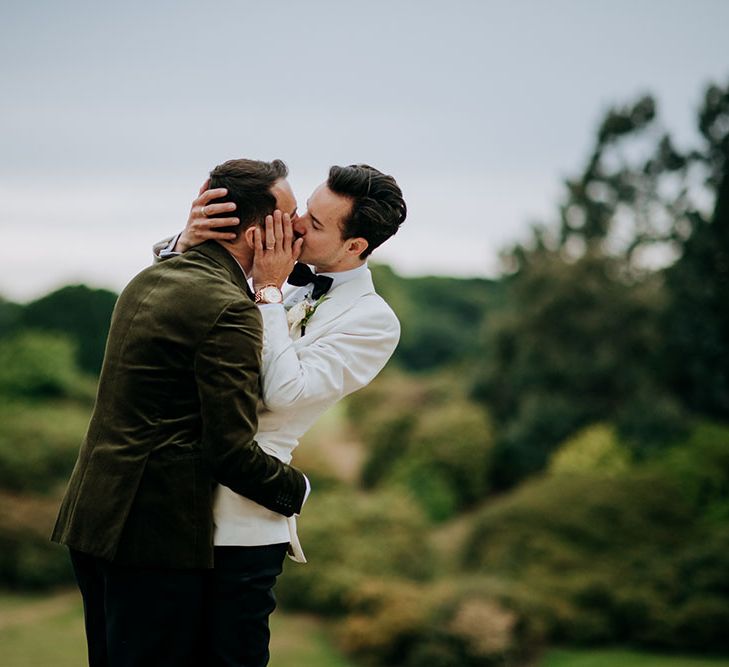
(326, 334)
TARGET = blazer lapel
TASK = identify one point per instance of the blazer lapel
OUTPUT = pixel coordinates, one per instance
(338, 301)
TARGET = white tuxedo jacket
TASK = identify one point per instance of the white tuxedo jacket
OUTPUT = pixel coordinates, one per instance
(348, 341)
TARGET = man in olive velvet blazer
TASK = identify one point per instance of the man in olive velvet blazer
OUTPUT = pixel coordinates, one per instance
(175, 414)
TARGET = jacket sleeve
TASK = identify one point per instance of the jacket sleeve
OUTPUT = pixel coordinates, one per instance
(336, 364)
(227, 365)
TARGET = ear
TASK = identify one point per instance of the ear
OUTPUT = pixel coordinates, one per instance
(249, 235)
(356, 246)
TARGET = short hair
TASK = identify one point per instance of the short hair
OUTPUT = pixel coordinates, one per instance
(378, 207)
(249, 185)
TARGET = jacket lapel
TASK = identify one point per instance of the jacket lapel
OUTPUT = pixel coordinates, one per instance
(338, 301)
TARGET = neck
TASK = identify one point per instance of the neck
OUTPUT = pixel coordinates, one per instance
(242, 254)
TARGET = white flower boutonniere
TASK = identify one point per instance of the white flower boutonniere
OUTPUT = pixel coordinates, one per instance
(302, 312)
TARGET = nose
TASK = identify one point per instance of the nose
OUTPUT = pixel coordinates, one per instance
(298, 226)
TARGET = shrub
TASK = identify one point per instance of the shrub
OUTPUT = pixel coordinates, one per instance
(39, 365)
(595, 449)
(554, 522)
(609, 560)
(349, 538)
(458, 623)
(447, 463)
(39, 443)
(700, 466)
(423, 435)
(27, 558)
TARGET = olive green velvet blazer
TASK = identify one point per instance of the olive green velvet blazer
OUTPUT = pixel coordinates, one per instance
(175, 413)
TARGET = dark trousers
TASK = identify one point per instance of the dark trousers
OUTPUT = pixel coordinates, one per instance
(141, 617)
(241, 601)
(151, 617)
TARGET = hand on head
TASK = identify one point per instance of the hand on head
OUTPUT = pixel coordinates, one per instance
(201, 226)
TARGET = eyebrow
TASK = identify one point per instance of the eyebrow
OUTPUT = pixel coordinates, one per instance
(315, 219)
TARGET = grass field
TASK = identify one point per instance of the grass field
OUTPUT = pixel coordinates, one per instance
(36, 631)
(620, 658)
(41, 631)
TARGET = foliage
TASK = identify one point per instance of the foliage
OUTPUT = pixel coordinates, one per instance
(10, 316)
(456, 623)
(81, 313)
(423, 435)
(349, 537)
(610, 560)
(445, 463)
(39, 443)
(596, 449)
(697, 320)
(41, 365)
(577, 345)
(700, 467)
(442, 316)
(591, 331)
(27, 558)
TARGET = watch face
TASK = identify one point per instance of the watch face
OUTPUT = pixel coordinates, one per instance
(271, 294)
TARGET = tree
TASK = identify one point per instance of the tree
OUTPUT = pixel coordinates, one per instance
(595, 330)
(697, 321)
(80, 312)
(578, 345)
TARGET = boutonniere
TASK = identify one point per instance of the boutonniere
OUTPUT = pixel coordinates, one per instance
(302, 312)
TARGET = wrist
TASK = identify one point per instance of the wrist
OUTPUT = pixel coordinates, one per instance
(269, 293)
(261, 282)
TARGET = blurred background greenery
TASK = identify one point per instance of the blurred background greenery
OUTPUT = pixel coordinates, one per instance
(540, 476)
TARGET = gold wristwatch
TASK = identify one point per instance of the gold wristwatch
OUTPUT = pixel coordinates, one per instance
(268, 294)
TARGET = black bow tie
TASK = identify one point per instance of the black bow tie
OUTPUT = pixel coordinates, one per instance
(303, 275)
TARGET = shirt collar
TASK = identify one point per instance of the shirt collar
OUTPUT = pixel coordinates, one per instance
(341, 277)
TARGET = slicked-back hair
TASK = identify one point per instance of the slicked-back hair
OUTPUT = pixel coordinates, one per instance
(378, 207)
(249, 185)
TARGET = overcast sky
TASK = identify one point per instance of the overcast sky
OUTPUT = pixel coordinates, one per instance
(111, 115)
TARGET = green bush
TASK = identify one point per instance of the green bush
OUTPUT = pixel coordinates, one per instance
(595, 449)
(79, 312)
(28, 560)
(39, 365)
(458, 623)
(348, 538)
(39, 443)
(447, 462)
(562, 521)
(700, 466)
(10, 316)
(609, 560)
(424, 435)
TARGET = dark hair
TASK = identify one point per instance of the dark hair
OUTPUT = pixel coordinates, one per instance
(249, 187)
(378, 208)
